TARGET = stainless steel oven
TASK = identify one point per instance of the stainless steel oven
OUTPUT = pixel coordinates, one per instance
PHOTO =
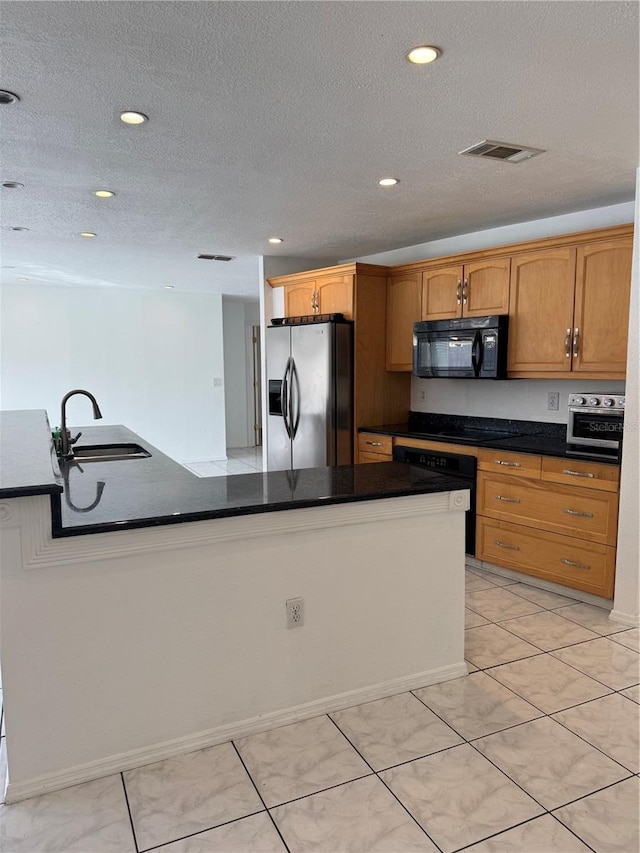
(595, 423)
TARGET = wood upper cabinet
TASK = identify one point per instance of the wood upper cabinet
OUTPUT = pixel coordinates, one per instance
(404, 307)
(324, 295)
(541, 311)
(472, 290)
(441, 293)
(601, 317)
(569, 311)
(334, 295)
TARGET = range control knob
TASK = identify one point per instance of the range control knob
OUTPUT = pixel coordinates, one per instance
(594, 401)
(608, 402)
(621, 402)
(579, 401)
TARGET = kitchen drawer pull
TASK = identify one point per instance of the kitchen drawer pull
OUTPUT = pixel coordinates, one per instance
(507, 500)
(576, 340)
(464, 291)
(504, 545)
(578, 513)
(374, 443)
(508, 464)
(575, 565)
(459, 292)
(567, 344)
(578, 473)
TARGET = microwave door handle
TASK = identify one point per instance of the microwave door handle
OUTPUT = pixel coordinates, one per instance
(476, 353)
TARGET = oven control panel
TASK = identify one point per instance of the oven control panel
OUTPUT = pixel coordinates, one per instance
(596, 401)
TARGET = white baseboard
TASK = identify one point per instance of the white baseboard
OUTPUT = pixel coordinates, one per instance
(630, 619)
(17, 791)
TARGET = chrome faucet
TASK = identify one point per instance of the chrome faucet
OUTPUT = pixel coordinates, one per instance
(65, 435)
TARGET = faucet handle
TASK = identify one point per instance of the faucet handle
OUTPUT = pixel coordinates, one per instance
(73, 440)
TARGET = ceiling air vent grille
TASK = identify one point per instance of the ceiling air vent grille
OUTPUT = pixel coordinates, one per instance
(216, 257)
(505, 151)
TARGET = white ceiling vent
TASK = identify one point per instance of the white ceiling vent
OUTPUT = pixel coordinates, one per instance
(216, 257)
(505, 151)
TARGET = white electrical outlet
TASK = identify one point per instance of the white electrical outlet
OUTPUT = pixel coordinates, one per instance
(295, 612)
(553, 401)
(423, 395)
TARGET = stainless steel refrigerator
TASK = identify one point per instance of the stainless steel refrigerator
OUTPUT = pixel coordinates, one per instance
(310, 388)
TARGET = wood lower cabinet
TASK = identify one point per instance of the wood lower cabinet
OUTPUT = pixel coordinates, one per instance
(555, 520)
(374, 448)
(562, 559)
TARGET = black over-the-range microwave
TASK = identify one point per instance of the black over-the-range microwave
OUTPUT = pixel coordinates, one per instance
(465, 348)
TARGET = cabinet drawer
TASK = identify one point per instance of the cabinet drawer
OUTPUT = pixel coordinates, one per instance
(588, 514)
(561, 559)
(369, 442)
(516, 464)
(590, 475)
(365, 456)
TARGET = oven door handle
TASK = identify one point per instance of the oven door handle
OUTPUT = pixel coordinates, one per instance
(476, 354)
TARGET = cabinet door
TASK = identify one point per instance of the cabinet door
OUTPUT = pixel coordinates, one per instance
(486, 288)
(298, 299)
(541, 312)
(601, 321)
(335, 295)
(442, 293)
(404, 308)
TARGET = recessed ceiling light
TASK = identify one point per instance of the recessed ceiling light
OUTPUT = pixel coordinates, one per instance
(18, 228)
(168, 287)
(423, 55)
(8, 97)
(133, 117)
(275, 239)
(104, 193)
(87, 234)
(12, 185)
(389, 182)
(22, 278)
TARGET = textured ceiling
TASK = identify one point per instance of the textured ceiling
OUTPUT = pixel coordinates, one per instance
(278, 118)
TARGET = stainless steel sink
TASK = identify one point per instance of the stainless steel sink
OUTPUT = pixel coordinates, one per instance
(109, 452)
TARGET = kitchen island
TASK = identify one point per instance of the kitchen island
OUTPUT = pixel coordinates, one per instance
(145, 617)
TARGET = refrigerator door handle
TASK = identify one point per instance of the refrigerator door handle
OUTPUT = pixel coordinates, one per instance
(285, 399)
(295, 399)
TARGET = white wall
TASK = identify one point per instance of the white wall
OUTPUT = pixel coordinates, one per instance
(149, 358)
(626, 603)
(522, 399)
(238, 318)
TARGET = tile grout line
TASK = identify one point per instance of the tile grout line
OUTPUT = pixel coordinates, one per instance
(200, 832)
(376, 773)
(126, 799)
(266, 808)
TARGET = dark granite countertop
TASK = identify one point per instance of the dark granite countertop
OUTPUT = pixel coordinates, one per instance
(547, 439)
(115, 495)
(26, 464)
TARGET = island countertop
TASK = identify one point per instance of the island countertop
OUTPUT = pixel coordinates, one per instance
(98, 497)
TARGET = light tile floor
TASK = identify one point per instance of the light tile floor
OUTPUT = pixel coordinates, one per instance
(536, 751)
(240, 460)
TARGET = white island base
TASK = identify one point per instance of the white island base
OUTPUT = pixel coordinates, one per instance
(121, 649)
